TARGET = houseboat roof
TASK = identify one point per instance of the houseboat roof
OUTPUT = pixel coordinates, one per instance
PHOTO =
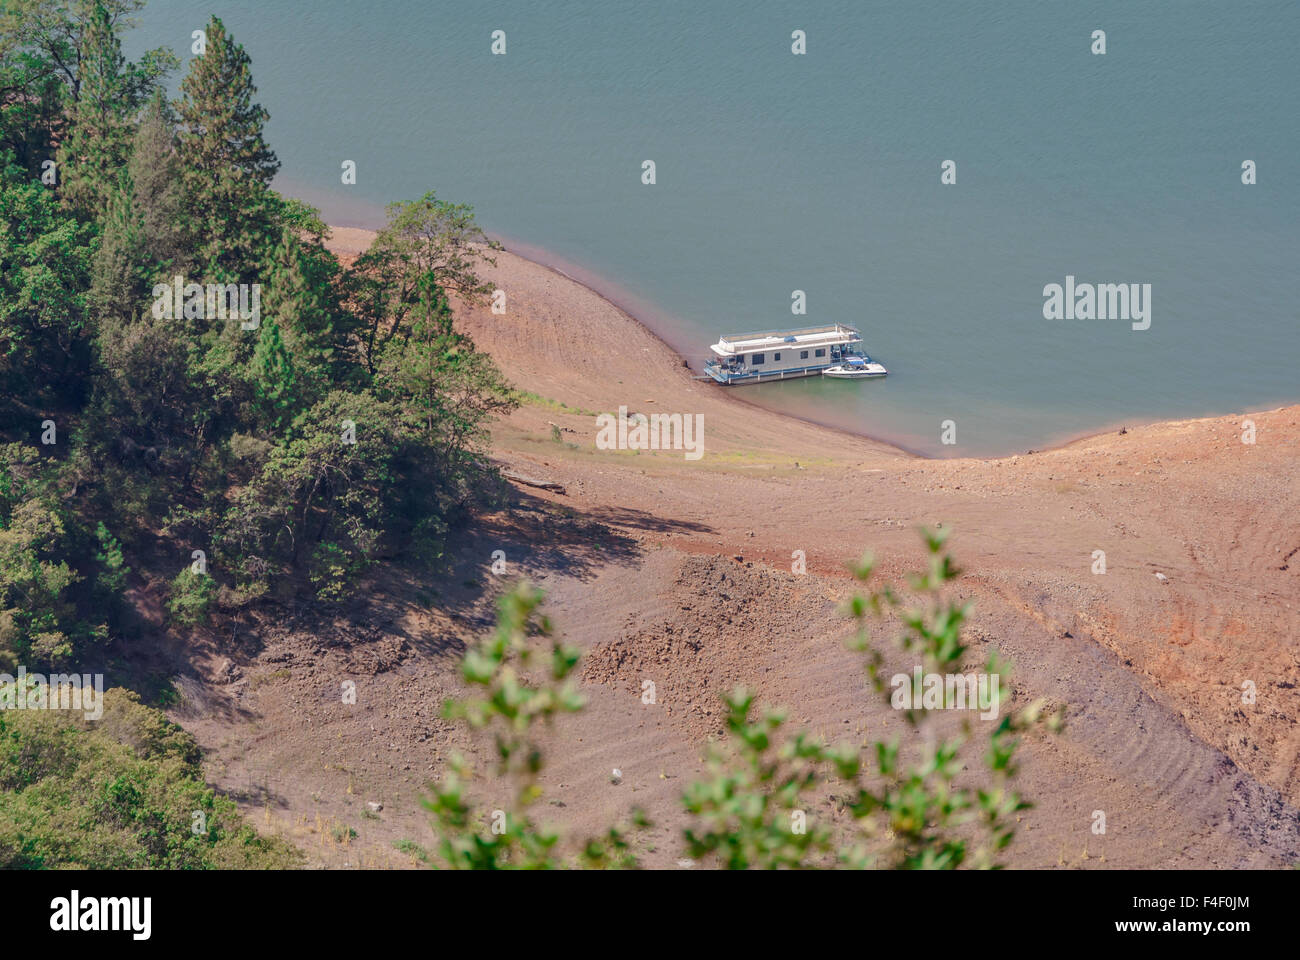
(775, 339)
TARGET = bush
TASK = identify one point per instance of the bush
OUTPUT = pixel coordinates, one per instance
(50, 610)
(190, 599)
(123, 792)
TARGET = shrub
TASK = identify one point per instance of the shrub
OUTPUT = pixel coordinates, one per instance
(61, 580)
(119, 793)
(190, 599)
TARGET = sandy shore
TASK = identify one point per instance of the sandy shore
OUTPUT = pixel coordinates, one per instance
(680, 572)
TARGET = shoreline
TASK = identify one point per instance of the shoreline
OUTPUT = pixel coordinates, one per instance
(546, 260)
(592, 283)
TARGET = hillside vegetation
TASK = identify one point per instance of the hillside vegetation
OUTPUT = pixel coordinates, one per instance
(195, 391)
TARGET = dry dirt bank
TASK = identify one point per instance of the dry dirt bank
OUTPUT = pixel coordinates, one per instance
(637, 556)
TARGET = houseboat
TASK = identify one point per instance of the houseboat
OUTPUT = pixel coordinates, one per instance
(833, 350)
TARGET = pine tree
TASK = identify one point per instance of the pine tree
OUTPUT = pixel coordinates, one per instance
(303, 298)
(155, 172)
(99, 137)
(116, 271)
(275, 379)
(49, 52)
(142, 236)
(31, 107)
(227, 166)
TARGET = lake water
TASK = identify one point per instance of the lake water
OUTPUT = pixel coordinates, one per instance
(821, 173)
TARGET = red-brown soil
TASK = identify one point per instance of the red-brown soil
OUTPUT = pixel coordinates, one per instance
(637, 557)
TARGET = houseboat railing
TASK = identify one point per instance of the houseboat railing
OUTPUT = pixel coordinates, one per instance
(788, 331)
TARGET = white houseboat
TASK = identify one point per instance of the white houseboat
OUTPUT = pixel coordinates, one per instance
(784, 354)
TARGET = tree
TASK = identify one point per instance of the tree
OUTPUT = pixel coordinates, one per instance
(143, 229)
(229, 430)
(312, 329)
(275, 380)
(327, 494)
(118, 793)
(31, 98)
(55, 30)
(46, 59)
(190, 597)
(39, 590)
(451, 390)
(427, 237)
(99, 134)
(44, 273)
(226, 165)
(116, 284)
(144, 397)
(157, 197)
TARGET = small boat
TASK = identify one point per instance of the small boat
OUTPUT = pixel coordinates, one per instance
(856, 368)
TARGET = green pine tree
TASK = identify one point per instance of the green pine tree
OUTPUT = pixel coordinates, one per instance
(50, 52)
(275, 378)
(31, 107)
(143, 230)
(99, 135)
(117, 267)
(226, 165)
(155, 171)
(44, 272)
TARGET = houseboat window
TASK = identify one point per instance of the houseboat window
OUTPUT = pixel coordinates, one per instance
(821, 351)
(803, 354)
(758, 358)
(776, 358)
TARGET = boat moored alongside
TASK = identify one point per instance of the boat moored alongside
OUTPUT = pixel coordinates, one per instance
(859, 367)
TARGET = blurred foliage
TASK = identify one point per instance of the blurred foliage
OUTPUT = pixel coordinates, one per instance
(755, 809)
(525, 684)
